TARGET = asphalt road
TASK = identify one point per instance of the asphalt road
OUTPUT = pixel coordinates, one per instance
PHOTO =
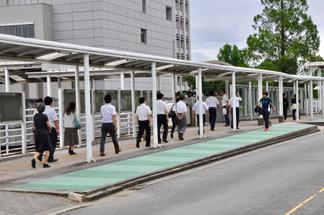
(273, 180)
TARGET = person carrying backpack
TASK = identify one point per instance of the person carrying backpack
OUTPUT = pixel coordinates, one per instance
(266, 105)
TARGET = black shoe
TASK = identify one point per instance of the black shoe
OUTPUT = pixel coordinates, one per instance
(53, 160)
(33, 163)
(148, 146)
(102, 154)
(117, 151)
(160, 142)
(71, 152)
(137, 145)
(165, 141)
(46, 165)
(171, 135)
(212, 129)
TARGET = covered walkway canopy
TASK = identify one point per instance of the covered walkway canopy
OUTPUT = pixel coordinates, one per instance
(39, 51)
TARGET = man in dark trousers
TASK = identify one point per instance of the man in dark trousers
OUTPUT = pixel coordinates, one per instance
(285, 105)
(144, 116)
(109, 125)
(266, 105)
(55, 129)
(162, 118)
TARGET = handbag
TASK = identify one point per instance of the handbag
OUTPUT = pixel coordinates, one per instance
(77, 123)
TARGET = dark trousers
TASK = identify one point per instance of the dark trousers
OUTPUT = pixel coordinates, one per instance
(174, 124)
(108, 128)
(204, 121)
(227, 121)
(53, 137)
(285, 111)
(144, 126)
(266, 115)
(162, 121)
(212, 117)
(237, 117)
(294, 114)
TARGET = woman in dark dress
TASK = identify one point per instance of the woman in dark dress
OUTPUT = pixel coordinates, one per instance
(41, 130)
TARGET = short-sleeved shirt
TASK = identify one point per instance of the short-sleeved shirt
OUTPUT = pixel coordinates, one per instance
(196, 108)
(235, 101)
(161, 107)
(143, 111)
(40, 125)
(212, 101)
(69, 120)
(51, 114)
(265, 104)
(181, 107)
(224, 100)
(107, 112)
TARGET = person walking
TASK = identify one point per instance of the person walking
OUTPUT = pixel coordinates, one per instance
(181, 111)
(71, 126)
(55, 129)
(190, 101)
(266, 105)
(173, 116)
(162, 118)
(41, 128)
(196, 111)
(144, 116)
(225, 107)
(294, 107)
(235, 103)
(108, 125)
(285, 105)
(212, 102)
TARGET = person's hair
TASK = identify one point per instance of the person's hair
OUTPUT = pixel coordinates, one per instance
(177, 99)
(141, 100)
(160, 96)
(70, 108)
(48, 100)
(107, 98)
(211, 93)
(41, 108)
(40, 100)
(190, 93)
(294, 95)
(181, 97)
(177, 94)
(265, 93)
(283, 94)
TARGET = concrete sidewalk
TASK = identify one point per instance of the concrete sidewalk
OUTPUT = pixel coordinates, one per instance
(91, 182)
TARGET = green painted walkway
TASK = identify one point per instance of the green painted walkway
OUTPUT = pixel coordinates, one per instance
(105, 175)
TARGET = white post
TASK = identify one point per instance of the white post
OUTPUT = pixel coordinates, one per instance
(89, 120)
(133, 103)
(322, 89)
(260, 87)
(154, 104)
(48, 85)
(122, 81)
(59, 83)
(77, 98)
(311, 99)
(7, 81)
(267, 86)
(250, 101)
(174, 87)
(280, 97)
(181, 83)
(23, 126)
(61, 112)
(306, 99)
(233, 96)
(201, 123)
(297, 101)
(295, 87)
(227, 87)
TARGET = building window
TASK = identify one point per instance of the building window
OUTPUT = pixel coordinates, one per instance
(144, 6)
(26, 30)
(143, 35)
(169, 13)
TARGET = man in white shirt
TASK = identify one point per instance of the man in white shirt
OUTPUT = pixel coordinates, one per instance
(181, 111)
(144, 116)
(109, 125)
(196, 109)
(55, 129)
(162, 118)
(212, 103)
(235, 103)
(225, 107)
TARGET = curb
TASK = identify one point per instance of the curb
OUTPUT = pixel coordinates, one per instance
(111, 189)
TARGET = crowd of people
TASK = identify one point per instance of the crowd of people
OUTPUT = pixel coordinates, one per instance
(185, 111)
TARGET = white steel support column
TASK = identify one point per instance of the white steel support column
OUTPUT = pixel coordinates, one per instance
(233, 96)
(7, 80)
(311, 99)
(227, 87)
(267, 86)
(260, 87)
(306, 99)
(88, 116)
(48, 85)
(61, 113)
(77, 97)
(294, 87)
(201, 122)
(122, 81)
(280, 97)
(297, 101)
(250, 104)
(322, 89)
(23, 126)
(133, 103)
(59, 83)
(181, 84)
(154, 104)
(174, 87)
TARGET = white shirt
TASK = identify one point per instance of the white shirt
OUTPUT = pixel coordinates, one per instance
(69, 120)
(224, 100)
(107, 112)
(161, 107)
(181, 107)
(51, 114)
(212, 101)
(235, 101)
(143, 111)
(196, 108)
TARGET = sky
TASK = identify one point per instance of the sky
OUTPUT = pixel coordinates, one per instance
(217, 22)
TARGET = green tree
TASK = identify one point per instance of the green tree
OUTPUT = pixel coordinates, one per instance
(286, 36)
(233, 55)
